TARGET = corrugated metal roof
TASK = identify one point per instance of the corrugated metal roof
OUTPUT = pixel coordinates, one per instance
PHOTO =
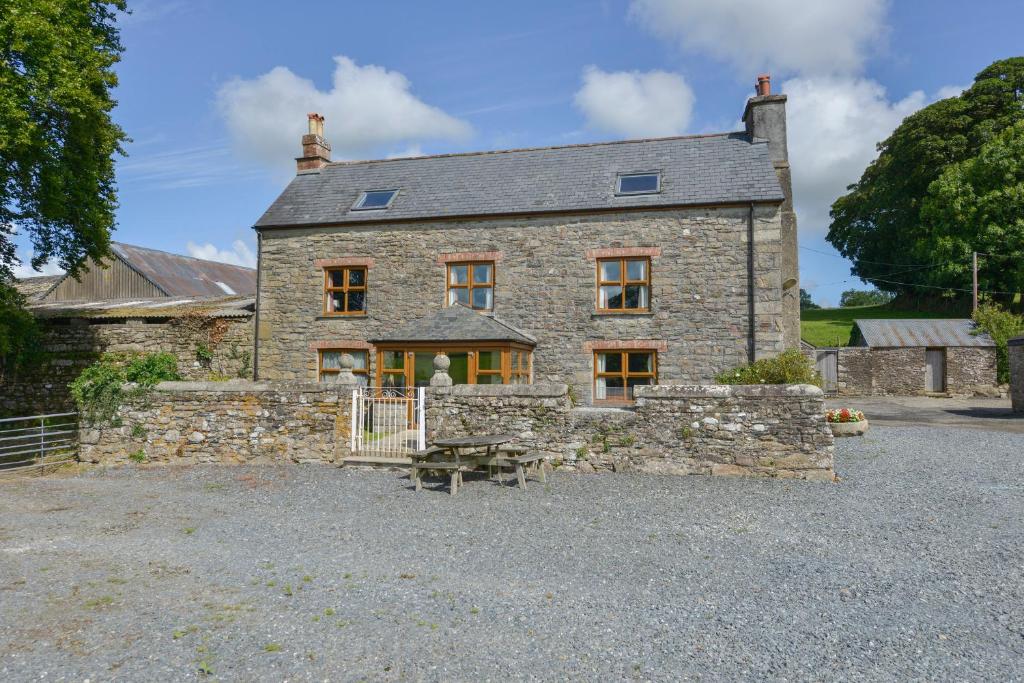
(33, 288)
(179, 275)
(215, 307)
(457, 323)
(706, 169)
(921, 332)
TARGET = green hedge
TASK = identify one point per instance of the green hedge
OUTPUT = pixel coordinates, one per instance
(99, 389)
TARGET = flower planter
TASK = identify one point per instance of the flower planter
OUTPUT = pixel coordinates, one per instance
(849, 428)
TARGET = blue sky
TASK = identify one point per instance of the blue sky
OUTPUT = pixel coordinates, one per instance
(214, 94)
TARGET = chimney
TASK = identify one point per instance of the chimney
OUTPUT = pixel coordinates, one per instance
(765, 119)
(316, 152)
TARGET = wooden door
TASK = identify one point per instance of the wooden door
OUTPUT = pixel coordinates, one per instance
(935, 370)
(827, 364)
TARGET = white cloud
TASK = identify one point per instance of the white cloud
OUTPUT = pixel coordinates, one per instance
(239, 255)
(24, 269)
(367, 109)
(834, 125)
(950, 91)
(635, 104)
(820, 37)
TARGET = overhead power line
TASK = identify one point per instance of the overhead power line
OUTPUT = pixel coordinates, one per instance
(883, 263)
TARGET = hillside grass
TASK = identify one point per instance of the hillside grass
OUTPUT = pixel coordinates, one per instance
(824, 327)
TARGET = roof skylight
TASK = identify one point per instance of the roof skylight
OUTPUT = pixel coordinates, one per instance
(374, 199)
(639, 183)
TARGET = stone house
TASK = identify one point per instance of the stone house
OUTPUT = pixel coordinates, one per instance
(604, 266)
(144, 300)
(910, 356)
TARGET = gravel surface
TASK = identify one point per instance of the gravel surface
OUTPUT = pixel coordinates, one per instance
(909, 568)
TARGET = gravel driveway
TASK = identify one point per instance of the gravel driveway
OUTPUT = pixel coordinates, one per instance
(909, 568)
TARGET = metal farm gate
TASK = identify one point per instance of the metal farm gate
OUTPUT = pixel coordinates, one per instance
(388, 423)
(35, 442)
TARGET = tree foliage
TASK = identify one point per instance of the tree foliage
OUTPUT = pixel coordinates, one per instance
(864, 297)
(57, 139)
(19, 333)
(879, 222)
(978, 205)
(806, 304)
(1002, 326)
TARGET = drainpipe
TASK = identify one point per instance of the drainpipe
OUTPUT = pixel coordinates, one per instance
(256, 329)
(751, 288)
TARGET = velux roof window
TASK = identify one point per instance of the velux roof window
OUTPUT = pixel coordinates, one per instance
(639, 183)
(374, 199)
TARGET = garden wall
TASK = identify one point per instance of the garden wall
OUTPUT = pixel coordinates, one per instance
(768, 431)
(1015, 348)
(224, 422)
(70, 347)
(764, 430)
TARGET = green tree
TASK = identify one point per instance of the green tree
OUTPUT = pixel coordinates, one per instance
(1001, 325)
(978, 205)
(57, 142)
(806, 304)
(864, 297)
(878, 223)
(57, 139)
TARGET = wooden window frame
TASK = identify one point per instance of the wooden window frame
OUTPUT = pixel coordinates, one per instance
(506, 370)
(470, 285)
(624, 374)
(623, 282)
(320, 369)
(329, 289)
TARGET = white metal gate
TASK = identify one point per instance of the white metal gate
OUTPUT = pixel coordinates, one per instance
(388, 422)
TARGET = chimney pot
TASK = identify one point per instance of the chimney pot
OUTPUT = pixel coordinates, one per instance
(316, 152)
(764, 85)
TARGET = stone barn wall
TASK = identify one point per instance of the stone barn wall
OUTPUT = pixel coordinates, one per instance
(69, 346)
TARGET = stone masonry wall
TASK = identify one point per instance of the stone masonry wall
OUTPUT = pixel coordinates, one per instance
(69, 348)
(1016, 352)
(225, 422)
(545, 285)
(770, 431)
(970, 369)
(898, 371)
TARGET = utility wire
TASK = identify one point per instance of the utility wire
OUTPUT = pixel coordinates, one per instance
(883, 263)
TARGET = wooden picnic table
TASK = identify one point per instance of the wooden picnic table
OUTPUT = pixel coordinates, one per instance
(471, 452)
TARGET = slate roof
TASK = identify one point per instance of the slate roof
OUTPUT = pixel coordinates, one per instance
(457, 323)
(921, 332)
(708, 169)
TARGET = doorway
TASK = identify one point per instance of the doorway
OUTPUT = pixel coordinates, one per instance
(935, 370)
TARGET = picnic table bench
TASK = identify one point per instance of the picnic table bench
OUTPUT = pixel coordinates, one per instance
(462, 454)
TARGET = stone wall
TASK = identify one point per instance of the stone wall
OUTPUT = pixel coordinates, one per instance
(877, 371)
(225, 422)
(971, 369)
(1015, 349)
(768, 431)
(545, 285)
(70, 346)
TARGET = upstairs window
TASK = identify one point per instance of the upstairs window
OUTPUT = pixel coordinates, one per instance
(471, 284)
(345, 291)
(374, 199)
(624, 285)
(639, 183)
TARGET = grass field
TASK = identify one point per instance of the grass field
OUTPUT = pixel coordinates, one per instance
(833, 326)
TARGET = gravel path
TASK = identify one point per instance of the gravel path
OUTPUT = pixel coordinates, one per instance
(909, 568)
